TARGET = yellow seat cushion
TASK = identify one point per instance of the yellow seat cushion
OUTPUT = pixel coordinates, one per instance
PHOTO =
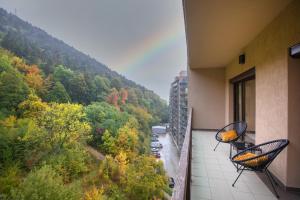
(229, 135)
(252, 163)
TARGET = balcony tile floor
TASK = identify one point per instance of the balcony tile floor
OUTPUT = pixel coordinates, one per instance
(213, 173)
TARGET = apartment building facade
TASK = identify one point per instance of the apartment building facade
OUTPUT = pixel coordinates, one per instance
(178, 108)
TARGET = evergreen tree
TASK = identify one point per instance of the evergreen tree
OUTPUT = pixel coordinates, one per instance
(13, 90)
(58, 94)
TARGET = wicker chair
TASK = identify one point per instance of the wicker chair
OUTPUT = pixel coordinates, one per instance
(264, 155)
(240, 127)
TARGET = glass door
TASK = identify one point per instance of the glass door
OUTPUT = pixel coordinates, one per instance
(250, 104)
(239, 105)
(244, 101)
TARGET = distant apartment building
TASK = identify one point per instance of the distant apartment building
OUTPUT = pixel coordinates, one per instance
(178, 108)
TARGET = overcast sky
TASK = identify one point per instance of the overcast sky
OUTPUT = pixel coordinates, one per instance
(141, 39)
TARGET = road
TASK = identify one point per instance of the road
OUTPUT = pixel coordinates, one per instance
(169, 154)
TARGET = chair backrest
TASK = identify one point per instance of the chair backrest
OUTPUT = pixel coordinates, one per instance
(268, 150)
(273, 148)
(240, 127)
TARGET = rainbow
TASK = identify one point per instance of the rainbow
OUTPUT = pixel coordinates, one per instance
(150, 48)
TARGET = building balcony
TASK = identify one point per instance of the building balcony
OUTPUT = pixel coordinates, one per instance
(205, 174)
(212, 174)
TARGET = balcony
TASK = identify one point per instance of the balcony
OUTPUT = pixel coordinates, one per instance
(213, 173)
(205, 174)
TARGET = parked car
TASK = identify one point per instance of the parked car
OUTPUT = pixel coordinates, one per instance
(157, 155)
(154, 139)
(156, 145)
(171, 182)
(154, 150)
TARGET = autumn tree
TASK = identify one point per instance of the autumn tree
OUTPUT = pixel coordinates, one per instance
(32, 107)
(127, 138)
(94, 194)
(124, 95)
(34, 79)
(113, 98)
(64, 124)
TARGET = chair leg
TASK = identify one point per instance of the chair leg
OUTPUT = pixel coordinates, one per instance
(230, 152)
(238, 168)
(216, 146)
(238, 177)
(274, 181)
(270, 179)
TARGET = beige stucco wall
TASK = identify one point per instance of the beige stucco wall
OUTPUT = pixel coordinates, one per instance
(268, 53)
(206, 96)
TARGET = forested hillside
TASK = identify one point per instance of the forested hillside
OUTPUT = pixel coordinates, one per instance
(90, 76)
(57, 107)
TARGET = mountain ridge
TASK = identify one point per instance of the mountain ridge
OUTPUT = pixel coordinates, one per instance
(36, 36)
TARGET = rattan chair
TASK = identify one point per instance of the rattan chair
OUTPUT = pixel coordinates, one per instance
(264, 155)
(240, 127)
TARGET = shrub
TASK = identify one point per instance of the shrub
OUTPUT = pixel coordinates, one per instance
(45, 184)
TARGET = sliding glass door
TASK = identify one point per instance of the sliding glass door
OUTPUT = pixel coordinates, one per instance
(244, 100)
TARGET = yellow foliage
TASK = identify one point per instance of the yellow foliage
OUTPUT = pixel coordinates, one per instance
(19, 64)
(33, 106)
(9, 122)
(94, 194)
(122, 161)
(141, 113)
(127, 139)
(65, 122)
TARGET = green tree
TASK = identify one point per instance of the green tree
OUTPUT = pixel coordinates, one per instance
(144, 179)
(79, 90)
(58, 94)
(4, 61)
(101, 87)
(45, 184)
(116, 83)
(70, 163)
(103, 116)
(13, 90)
(10, 178)
(132, 97)
(73, 82)
(22, 142)
(109, 143)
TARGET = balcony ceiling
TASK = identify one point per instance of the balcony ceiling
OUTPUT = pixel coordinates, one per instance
(218, 30)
